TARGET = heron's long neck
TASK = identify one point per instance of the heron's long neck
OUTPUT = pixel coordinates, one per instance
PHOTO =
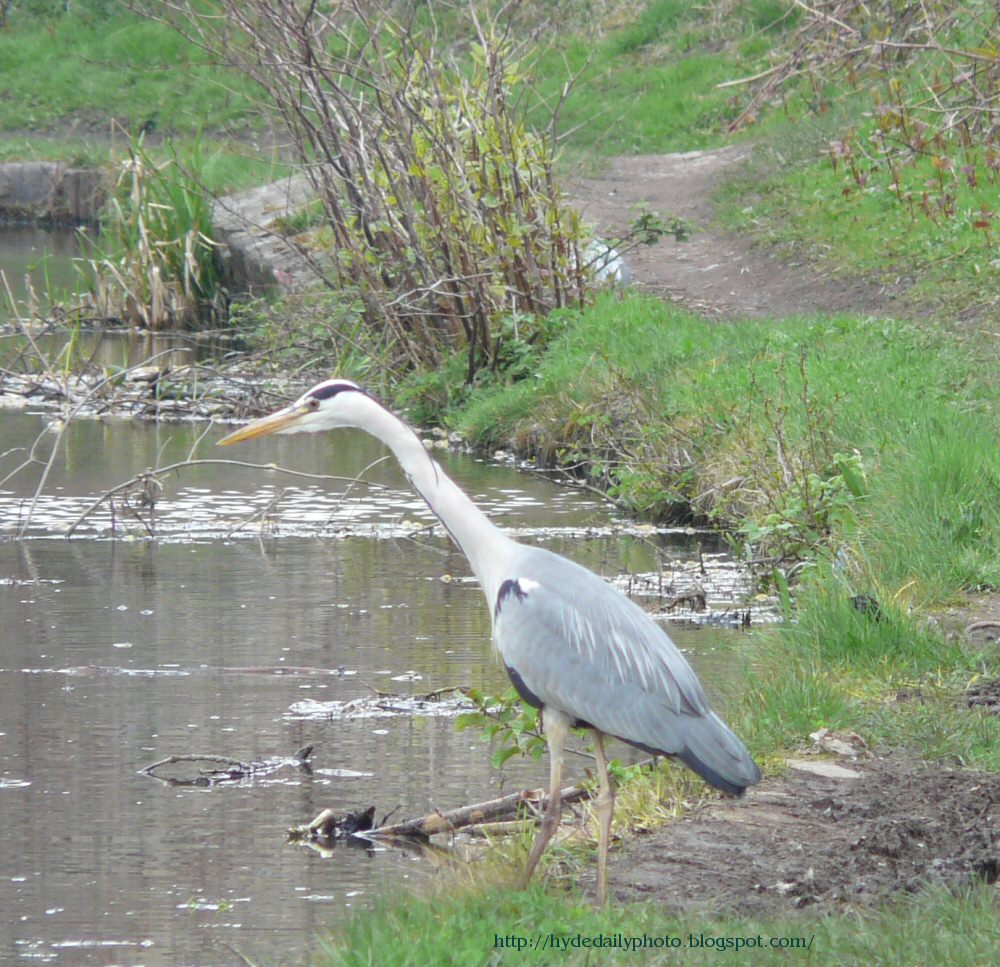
(482, 542)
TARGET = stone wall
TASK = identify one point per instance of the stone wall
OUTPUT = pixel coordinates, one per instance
(49, 191)
(255, 257)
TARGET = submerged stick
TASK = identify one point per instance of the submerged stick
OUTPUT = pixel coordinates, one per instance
(483, 812)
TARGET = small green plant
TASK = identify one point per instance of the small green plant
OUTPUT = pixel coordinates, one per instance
(506, 721)
(310, 215)
(802, 515)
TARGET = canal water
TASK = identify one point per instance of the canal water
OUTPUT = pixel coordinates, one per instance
(38, 264)
(238, 634)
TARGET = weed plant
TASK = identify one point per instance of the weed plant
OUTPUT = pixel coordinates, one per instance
(154, 263)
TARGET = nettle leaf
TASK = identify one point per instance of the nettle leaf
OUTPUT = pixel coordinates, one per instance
(469, 720)
(502, 755)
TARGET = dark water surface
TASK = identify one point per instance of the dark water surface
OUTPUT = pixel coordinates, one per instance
(115, 653)
(39, 260)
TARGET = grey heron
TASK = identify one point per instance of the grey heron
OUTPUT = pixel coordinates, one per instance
(573, 645)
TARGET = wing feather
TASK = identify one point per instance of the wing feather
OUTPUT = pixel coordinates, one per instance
(586, 649)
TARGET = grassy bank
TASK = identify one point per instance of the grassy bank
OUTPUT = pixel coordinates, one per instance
(795, 434)
(894, 170)
(487, 924)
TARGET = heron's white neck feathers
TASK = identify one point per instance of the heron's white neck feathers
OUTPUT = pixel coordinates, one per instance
(482, 542)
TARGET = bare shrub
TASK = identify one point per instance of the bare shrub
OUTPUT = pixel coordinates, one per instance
(932, 71)
(443, 207)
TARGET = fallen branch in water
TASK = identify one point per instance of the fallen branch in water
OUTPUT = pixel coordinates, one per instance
(476, 814)
(327, 825)
(232, 770)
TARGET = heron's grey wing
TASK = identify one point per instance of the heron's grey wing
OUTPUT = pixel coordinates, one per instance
(576, 643)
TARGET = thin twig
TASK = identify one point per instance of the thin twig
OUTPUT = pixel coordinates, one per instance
(65, 424)
(132, 481)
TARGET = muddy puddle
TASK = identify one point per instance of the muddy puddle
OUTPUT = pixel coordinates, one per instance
(247, 635)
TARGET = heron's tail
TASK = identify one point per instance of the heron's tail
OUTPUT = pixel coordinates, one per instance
(718, 756)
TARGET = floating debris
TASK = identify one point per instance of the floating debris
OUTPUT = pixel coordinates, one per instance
(437, 704)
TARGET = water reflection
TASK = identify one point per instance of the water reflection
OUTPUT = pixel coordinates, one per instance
(38, 263)
(211, 501)
(104, 350)
(81, 713)
(114, 654)
(41, 266)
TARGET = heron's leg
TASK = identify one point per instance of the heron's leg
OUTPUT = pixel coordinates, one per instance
(557, 727)
(605, 809)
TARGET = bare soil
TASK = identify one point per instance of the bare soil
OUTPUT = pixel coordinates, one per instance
(822, 842)
(714, 272)
(818, 837)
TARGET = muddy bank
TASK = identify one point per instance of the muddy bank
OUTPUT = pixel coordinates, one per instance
(876, 830)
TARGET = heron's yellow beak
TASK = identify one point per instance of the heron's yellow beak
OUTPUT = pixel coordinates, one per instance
(266, 425)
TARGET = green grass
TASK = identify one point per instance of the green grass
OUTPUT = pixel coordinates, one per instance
(879, 184)
(817, 210)
(225, 166)
(650, 84)
(112, 64)
(837, 669)
(478, 926)
(78, 83)
(647, 79)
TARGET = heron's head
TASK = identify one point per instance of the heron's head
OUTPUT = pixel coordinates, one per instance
(327, 406)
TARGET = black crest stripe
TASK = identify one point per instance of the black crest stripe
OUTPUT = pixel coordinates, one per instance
(326, 391)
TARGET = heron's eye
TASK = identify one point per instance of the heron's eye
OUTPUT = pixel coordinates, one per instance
(312, 403)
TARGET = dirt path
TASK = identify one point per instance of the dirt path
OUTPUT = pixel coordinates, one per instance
(714, 273)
